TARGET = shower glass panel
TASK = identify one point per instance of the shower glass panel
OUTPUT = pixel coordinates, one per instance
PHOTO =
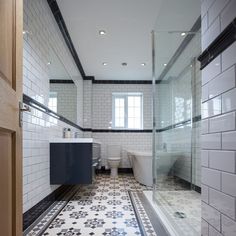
(177, 119)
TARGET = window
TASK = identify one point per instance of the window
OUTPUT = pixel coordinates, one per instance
(127, 111)
(52, 103)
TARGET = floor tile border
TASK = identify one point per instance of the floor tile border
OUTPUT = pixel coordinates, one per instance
(57, 206)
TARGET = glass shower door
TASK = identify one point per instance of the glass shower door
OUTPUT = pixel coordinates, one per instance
(177, 112)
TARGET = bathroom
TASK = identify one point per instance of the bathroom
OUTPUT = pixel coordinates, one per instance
(126, 122)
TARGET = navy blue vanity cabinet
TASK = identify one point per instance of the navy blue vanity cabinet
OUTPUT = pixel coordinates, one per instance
(73, 163)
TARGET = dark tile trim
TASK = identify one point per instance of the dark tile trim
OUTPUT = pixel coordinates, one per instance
(89, 78)
(94, 81)
(182, 123)
(39, 106)
(103, 170)
(222, 42)
(197, 188)
(121, 131)
(196, 118)
(33, 214)
(122, 82)
(61, 81)
(189, 185)
(64, 31)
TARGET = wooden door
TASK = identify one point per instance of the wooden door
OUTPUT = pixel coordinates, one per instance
(11, 14)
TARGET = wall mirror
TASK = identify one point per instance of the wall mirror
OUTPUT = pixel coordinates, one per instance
(63, 91)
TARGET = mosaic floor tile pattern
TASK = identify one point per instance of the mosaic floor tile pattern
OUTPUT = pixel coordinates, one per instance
(103, 208)
(43, 221)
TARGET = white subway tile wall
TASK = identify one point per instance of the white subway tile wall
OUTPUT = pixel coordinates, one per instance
(102, 103)
(87, 106)
(38, 127)
(128, 141)
(218, 125)
(66, 100)
(98, 115)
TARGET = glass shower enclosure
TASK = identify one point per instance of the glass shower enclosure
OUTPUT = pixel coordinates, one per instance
(176, 133)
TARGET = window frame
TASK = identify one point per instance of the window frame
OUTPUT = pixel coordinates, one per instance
(125, 97)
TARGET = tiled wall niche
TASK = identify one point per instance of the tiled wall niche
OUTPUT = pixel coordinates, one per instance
(218, 125)
(38, 127)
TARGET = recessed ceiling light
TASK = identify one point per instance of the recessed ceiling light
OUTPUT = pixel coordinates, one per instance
(183, 34)
(102, 32)
(104, 63)
(49, 63)
(124, 64)
(143, 64)
(165, 64)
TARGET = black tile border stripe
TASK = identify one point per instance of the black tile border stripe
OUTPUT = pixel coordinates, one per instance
(61, 81)
(34, 213)
(103, 170)
(122, 131)
(222, 42)
(121, 81)
(64, 31)
(37, 105)
(94, 81)
(180, 124)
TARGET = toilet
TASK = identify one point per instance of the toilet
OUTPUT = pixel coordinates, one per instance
(113, 159)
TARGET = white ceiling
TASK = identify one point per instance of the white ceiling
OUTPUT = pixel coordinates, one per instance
(128, 25)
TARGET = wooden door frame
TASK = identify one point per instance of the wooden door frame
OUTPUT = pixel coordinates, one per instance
(9, 108)
(18, 198)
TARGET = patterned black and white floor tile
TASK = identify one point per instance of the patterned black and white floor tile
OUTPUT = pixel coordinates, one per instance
(103, 208)
(142, 215)
(43, 222)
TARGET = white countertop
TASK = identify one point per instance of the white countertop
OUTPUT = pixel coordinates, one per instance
(74, 140)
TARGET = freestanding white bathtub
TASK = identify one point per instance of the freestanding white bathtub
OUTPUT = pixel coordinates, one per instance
(141, 163)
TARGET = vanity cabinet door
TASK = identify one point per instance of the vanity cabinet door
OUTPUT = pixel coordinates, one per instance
(70, 163)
